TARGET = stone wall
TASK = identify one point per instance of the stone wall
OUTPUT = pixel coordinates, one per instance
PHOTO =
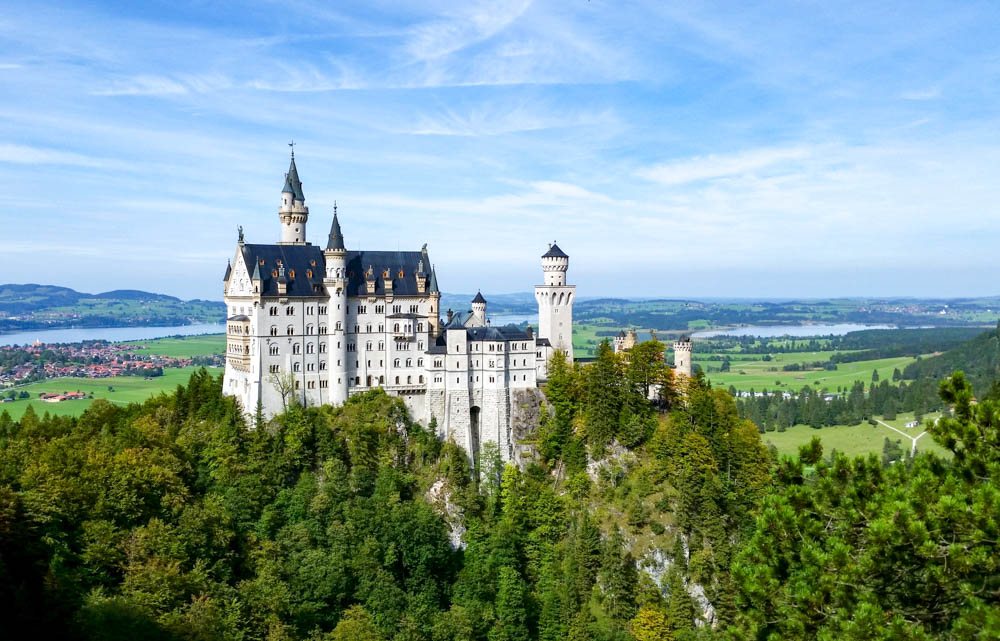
(525, 411)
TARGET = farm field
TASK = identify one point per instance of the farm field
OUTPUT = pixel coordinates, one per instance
(853, 440)
(183, 346)
(755, 374)
(127, 389)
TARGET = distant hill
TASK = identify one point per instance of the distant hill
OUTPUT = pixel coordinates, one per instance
(32, 306)
(978, 358)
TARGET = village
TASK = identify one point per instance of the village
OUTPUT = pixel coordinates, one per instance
(39, 361)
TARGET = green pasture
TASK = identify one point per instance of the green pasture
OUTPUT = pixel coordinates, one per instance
(127, 389)
(183, 346)
(854, 440)
(755, 374)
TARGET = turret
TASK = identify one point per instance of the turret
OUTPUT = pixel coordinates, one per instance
(434, 311)
(293, 212)
(682, 356)
(335, 281)
(555, 301)
(478, 310)
(555, 263)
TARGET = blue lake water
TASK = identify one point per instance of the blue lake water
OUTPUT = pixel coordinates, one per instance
(108, 334)
(772, 331)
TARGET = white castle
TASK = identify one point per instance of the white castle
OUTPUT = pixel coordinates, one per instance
(315, 326)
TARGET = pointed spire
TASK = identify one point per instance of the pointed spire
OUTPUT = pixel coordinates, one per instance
(479, 298)
(434, 282)
(229, 270)
(256, 270)
(292, 183)
(336, 239)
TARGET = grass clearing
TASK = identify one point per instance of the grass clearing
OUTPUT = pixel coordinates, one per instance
(182, 346)
(853, 440)
(127, 389)
(756, 374)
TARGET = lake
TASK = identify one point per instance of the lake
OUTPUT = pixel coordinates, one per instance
(773, 331)
(108, 334)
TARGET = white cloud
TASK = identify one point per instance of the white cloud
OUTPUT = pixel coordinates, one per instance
(24, 155)
(144, 85)
(928, 93)
(720, 166)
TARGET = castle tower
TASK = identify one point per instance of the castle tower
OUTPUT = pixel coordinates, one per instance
(293, 212)
(555, 302)
(434, 311)
(335, 281)
(619, 342)
(478, 311)
(682, 356)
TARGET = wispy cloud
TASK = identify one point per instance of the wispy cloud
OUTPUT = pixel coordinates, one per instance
(25, 155)
(928, 93)
(720, 166)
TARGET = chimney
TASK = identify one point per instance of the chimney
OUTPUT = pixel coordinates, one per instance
(450, 314)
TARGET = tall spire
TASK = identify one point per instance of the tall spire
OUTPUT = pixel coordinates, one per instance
(336, 240)
(434, 282)
(292, 183)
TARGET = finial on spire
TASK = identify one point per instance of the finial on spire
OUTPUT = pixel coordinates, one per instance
(335, 208)
(292, 145)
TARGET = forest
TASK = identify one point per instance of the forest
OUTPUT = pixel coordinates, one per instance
(179, 519)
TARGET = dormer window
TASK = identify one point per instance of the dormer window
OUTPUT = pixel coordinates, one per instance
(309, 273)
(291, 273)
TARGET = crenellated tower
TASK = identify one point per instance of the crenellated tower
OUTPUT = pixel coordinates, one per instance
(555, 301)
(335, 281)
(682, 356)
(293, 212)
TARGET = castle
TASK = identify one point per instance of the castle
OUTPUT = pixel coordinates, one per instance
(315, 326)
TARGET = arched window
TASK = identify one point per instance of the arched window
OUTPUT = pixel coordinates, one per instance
(295, 367)
(274, 350)
(397, 380)
(409, 380)
(290, 330)
(296, 348)
(395, 327)
(274, 330)
(309, 329)
(309, 348)
(420, 362)
(420, 327)
(421, 379)
(409, 362)
(395, 363)
(368, 346)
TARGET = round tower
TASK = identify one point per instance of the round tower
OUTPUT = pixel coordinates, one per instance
(335, 281)
(555, 302)
(682, 356)
(293, 212)
(479, 310)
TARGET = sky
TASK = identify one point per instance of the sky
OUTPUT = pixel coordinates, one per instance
(673, 149)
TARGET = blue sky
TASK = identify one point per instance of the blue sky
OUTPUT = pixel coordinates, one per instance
(673, 149)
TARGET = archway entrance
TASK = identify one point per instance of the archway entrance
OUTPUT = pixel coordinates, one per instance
(474, 435)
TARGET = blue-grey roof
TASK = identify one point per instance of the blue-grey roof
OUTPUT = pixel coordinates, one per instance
(298, 261)
(292, 183)
(382, 262)
(504, 333)
(229, 270)
(554, 252)
(479, 298)
(433, 287)
(336, 238)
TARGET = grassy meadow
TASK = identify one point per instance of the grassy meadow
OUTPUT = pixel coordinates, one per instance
(126, 389)
(758, 375)
(854, 440)
(183, 346)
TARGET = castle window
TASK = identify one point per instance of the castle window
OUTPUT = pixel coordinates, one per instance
(310, 367)
(322, 348)
(296, 348)
(309, 273)
(357, 380)
(273, 311)
(381, 345)
(380, 309)
(381, 380)
(438, 364)
(420, 327)
(289, 311)
(309, 348)
(420, 379)
(296, 385)
(399, 274)
(273, 350)
(385, 273)
(395, 363)
(409, 362)
(322, 330)
(273, 369)
(368, 329)
(322, 309)
(261, 261)
(290, 330)
(368, 346)
(420, 362)
(395, 327)
(396, 309)
(296, 367)
(397, 380)
(309, 329)
(291, 272)
(409, 380)
(322, 365)
(274, 273)
(323, 384)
